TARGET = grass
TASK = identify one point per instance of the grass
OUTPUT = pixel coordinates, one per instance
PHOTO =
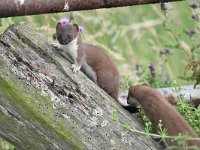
(6, 146)
(130, 36)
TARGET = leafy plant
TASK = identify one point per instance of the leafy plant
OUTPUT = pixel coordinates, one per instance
(190, 113)
(152, 77)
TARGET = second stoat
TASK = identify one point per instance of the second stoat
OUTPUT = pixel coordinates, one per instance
(157, 108)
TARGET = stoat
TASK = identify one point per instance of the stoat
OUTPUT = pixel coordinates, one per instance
(89, 58)
(157, 108)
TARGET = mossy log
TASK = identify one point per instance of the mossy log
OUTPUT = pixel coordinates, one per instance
(44, 105)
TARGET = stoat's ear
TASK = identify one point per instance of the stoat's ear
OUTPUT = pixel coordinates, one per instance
(146, 84)
(75, 27)
(59, 25)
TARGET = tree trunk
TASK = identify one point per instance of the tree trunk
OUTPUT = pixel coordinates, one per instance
(10, 8)
(44, 105)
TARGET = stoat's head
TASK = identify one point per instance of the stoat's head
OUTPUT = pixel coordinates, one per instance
(66, 33)
(131, 99)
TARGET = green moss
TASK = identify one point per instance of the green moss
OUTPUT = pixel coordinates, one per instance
(32, 107)
(10, 124)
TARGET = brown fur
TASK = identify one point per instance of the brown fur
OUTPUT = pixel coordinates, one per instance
(157, 108)
(195, 102)
(171, 99)
(106, 72)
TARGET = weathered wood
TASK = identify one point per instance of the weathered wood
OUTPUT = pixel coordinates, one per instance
(74, 113)
(189, 93)
(10, 8)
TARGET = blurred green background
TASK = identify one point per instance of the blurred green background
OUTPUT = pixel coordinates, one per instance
(131, 35)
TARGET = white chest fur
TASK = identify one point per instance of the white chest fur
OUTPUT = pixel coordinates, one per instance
(71, 49)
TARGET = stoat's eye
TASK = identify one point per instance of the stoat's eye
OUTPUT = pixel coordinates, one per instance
(69, 36)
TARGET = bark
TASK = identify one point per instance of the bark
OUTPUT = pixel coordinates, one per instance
(70, 113)
(10, 8)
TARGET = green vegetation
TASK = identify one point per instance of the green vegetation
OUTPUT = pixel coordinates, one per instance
(191, 114)
(6, 146)
(135, 37)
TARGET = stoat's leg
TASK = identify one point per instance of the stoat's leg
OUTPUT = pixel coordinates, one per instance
(79, 61)
(75, 68)
(57, 46)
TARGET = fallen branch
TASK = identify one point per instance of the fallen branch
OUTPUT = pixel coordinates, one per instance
(189, 93)
(10, 8)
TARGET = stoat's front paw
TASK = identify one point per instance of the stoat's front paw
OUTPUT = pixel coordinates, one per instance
(75, 68)
(56, 46)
